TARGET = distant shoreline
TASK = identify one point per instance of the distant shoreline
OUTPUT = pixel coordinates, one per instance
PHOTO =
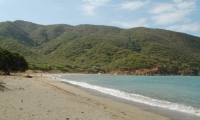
(116, 73)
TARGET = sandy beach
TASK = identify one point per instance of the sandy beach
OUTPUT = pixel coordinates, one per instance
(43, 98)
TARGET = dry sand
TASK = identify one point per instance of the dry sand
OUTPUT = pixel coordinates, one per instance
(43, 98)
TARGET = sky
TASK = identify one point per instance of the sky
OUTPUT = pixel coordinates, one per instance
(174, 15)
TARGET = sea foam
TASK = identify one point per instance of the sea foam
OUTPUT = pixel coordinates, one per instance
(136, 97)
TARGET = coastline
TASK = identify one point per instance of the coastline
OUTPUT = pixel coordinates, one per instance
(169, 113)
(42, 97)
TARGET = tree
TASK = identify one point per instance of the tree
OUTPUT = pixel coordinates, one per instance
(12, 62)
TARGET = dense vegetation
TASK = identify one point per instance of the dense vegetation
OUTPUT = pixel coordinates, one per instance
(92, 48)
(11, 62)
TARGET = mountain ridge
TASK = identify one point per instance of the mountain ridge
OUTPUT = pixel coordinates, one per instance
(98, 48)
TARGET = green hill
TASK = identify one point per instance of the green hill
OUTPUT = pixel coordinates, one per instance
(94, 48)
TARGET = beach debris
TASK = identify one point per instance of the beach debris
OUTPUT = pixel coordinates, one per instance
(2, 87)
(20, 88)
(22, 100)
(124, 113)
(28, 76)
(67, 118)
(21, 108)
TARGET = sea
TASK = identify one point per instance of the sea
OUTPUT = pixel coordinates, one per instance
(178, 93)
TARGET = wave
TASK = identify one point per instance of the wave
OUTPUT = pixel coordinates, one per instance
(136, 97)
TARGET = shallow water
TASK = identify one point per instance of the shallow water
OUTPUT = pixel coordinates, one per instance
(180, 93)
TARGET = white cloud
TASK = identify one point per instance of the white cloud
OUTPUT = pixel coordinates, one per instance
(88, 9)
(186, 5)
(167, 13)
(90, 6)
(132, 5)
(141, 22)
(193, 27)
(170, 17)
(162, 8)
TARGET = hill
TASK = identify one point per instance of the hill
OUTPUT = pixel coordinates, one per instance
(95, 48)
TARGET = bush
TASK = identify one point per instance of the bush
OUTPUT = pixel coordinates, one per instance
(12, 62)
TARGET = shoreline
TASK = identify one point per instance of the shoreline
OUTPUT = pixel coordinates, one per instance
(42, 97)
(101, 97)
(170, 113)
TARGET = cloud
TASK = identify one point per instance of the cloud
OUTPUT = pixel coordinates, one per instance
(90, 6)
(141, 22)
(163, 8)
(168, 18)
(132, 5)
(168, 13)
(192, 27)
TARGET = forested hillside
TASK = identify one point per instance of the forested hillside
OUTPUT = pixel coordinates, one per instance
(94, 48)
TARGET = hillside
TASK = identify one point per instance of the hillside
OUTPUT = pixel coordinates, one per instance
(95, 48)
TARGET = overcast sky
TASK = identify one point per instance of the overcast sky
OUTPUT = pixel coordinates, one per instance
(176, 15)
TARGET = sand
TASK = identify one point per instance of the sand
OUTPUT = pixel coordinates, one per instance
(43, 98)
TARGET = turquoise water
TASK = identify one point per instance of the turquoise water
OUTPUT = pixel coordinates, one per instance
(181, 93)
